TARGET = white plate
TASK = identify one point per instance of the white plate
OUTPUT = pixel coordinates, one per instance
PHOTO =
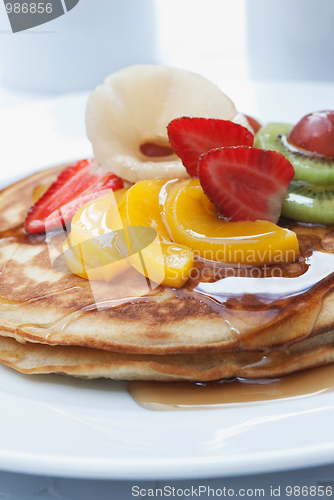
(92, 429)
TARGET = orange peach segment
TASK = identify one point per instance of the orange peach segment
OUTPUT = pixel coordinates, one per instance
(194, 221)
(74, 262)
(39, 191)
(165, 262)
(93, 250)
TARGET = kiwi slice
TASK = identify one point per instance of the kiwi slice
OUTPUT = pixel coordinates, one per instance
(307, 203)
(317, 171)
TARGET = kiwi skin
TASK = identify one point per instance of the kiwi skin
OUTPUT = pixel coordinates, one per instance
(313, 170)
(307, 203)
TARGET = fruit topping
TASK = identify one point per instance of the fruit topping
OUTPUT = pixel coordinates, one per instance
(78, 184)
(166, 262)
(191, 137)
(246, 183)
(194, 221)
(255, 124)
(89, 255)
(127, 116)
(312, 169)
(91, 250)
(74, 261)
(39, 191)
(307, 203)
(314, 134)
(310, 197)
(104, 242)
(153, 150)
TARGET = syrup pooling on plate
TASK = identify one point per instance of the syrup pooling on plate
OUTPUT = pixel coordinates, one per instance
(226, 393)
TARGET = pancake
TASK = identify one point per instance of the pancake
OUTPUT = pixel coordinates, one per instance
(47, 304)
(84, 362)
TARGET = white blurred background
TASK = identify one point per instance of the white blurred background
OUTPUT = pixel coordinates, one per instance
(272, 58)
(75, 51)
(238, 44)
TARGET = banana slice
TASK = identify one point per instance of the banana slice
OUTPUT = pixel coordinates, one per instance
(127, 116)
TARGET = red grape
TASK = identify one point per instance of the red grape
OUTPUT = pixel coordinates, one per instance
(314, 134)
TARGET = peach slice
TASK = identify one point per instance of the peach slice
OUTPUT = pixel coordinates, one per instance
(194, 221)
(39, 191)
(93, 250)
(165, 262)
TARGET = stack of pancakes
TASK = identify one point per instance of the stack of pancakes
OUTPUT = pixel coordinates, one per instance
(265, 327)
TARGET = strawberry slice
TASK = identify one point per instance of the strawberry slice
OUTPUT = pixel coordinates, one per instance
(246, 183)
(191, 137)
(78, 184)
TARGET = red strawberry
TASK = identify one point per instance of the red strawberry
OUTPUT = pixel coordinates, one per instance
(191, 137)
(78, 184)
(246, 183)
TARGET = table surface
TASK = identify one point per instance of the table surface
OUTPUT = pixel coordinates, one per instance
(250, 98)
(24, 487)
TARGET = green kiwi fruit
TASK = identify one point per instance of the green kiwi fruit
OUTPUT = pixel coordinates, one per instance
(313, 170)
(307, 203)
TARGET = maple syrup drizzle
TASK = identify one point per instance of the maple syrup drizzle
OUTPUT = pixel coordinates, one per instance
(269, 289)
(6, 303)
(167, 396)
